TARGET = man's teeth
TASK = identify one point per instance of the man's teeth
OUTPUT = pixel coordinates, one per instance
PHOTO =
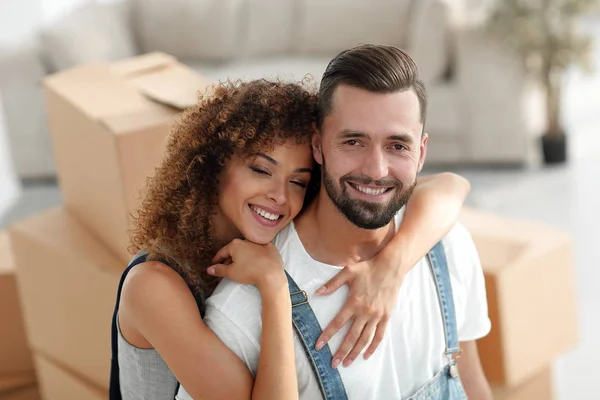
(264, 214)
(370, 191)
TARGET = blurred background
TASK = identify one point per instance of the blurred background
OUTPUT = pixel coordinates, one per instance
(514, 90)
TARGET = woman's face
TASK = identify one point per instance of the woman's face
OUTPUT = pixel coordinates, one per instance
(262, 194)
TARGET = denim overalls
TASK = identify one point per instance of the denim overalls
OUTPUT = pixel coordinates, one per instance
(445, 385)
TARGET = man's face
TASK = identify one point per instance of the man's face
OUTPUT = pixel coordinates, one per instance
(370, 149)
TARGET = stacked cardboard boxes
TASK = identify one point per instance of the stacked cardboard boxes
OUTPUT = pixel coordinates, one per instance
(17, 375)
(109, 125)
(529, 275)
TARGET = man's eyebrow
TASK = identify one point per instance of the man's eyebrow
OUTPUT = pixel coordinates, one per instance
(349, 134)
(402, 137)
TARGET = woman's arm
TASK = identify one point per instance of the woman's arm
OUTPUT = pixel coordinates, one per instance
(430, 213)
(157, 306)
(262, 266)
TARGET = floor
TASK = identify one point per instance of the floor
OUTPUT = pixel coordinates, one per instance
(566, 196)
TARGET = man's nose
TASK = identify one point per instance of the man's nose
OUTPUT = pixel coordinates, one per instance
(375, 164)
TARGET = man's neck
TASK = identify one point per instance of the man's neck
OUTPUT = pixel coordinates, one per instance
(330, 238)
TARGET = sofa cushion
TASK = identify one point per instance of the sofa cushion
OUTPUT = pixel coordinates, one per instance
(189, 29)
(429, 39)
(292, 68)
(330, 26)
(263, 33)
(93, 32)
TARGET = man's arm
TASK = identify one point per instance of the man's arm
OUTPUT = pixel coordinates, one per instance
(471, 373)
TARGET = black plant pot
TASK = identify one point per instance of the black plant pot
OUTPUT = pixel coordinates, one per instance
(555, 149)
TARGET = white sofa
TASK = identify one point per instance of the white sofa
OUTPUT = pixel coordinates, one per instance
(482, 108)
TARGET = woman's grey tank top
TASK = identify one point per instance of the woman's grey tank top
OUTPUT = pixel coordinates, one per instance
(144, 375)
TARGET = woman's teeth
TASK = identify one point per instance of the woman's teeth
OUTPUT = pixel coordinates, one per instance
(264, 214)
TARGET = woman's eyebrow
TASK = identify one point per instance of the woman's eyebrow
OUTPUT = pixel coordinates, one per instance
(269, 159)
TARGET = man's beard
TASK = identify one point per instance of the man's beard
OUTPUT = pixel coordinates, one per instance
(365, 214)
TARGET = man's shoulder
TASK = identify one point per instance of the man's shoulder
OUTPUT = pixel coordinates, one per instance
(234, 299)
(458, 237)
(284, 236)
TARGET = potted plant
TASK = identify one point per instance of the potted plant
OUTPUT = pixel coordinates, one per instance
(545, 33)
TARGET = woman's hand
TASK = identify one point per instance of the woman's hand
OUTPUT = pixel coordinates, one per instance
(374, 287)
(249, 263)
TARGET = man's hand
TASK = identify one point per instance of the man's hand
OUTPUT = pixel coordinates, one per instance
(374, 287)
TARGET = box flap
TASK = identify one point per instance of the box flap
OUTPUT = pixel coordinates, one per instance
(175, 85)
(141, 120)
(58, 229)
(97, 92)
(142, 64)
(16, 380)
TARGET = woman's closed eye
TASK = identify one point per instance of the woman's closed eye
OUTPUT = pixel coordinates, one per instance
(260, 170)
(301, 184)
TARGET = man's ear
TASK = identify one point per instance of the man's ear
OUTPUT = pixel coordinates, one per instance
(423, 149)
(316, 146)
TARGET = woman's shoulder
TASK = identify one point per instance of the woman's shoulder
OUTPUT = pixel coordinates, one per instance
(154, 284)
(150, 274)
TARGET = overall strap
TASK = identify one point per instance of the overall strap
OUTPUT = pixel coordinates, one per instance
(441, 276)
(308, 329)
(115, 385)
(114, 392)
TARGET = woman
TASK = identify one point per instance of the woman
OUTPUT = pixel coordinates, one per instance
(239, 165)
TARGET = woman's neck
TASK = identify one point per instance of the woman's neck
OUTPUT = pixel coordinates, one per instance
(225, 231)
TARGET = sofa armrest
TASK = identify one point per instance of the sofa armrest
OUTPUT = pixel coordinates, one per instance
(504, 107)
(21, 73)
(94, 32)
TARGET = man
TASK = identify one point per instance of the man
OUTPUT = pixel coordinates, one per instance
(371, 145)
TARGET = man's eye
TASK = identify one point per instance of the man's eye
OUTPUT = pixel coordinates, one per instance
(352, 142)
(399, 147)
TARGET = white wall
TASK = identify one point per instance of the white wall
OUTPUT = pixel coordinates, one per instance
(18, 18)
(52, 9)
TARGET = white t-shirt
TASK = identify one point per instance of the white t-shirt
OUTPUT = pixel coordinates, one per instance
(412, 350)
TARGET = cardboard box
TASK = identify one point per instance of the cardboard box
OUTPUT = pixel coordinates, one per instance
(15, 355)
(68, 283)
(13, 382)
(30, 392)
(109, 125)
(59, 383)
(530, 287)
(537, 388)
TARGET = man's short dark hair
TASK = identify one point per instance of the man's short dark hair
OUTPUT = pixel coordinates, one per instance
(376, 68)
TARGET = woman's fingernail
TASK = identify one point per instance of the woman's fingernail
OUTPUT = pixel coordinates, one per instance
(367, 355)
(210, 270)
(321, 290)
(336, 363)
(348, 362)
(319, 345)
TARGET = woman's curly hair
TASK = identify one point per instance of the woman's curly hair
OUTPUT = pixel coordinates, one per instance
(173, 223)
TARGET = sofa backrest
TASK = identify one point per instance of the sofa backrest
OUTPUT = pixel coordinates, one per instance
(226, 30)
